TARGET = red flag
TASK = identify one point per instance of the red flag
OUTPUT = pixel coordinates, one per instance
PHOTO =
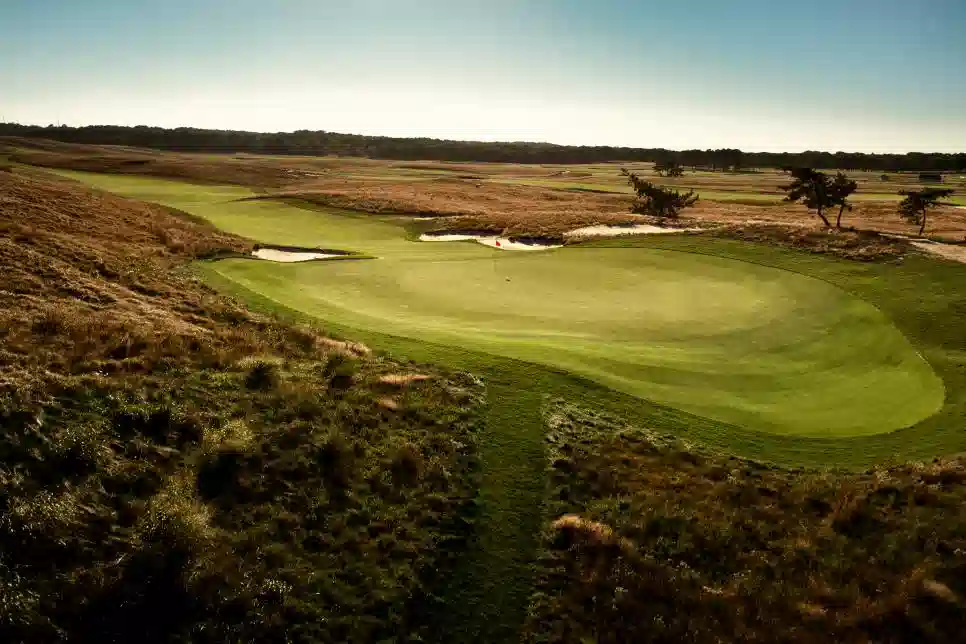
(498, 242)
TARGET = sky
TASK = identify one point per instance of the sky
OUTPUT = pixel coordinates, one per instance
(854, 75)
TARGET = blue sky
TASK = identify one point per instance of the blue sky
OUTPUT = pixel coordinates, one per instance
(871, 75)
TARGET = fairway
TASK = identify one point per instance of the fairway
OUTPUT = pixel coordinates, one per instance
(759, 347)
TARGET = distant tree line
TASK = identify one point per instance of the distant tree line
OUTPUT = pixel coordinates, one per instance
(380, 147)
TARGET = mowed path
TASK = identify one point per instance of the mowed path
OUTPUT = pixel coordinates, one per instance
(737, 342)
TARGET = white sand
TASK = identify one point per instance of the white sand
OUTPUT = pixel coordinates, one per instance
(604, 230)
(273, 255)
(489, 240)
(448, 237)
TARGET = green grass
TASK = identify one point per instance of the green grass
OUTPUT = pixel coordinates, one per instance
(773, 354)
(734, 341)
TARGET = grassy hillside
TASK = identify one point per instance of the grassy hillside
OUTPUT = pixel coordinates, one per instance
(651, 539)
(165, 447)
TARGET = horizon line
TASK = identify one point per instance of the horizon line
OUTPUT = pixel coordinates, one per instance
(449, 140)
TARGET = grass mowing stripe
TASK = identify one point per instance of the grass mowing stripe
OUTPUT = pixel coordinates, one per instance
(489, 592)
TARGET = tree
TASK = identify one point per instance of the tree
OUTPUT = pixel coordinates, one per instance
(668, 168)
(917, 202)
(813, 189)
(657, 201)
(842, 187)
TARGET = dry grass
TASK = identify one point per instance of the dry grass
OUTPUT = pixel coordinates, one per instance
(510, 209)
(174, 464)
(88, 280)
(480, 202)
(946, 222)
(402, 379)
(662, 542)
(192, 167)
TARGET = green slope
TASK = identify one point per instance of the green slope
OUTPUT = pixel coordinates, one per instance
(738, 342)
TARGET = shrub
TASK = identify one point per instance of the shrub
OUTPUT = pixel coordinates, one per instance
(263, 376)
(657, 201)
(406, 466)
(333, 363)
(340, 371)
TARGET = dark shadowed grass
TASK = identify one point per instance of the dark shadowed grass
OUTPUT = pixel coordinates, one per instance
(651, 539)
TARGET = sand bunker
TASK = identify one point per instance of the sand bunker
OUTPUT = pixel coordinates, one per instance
(274, 255)
(604, 230)
(503, 243)
(448, 237)
(508, 244)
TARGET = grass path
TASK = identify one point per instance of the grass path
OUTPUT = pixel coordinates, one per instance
(487, 597)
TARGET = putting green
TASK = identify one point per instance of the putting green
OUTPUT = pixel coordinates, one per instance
(750, 345)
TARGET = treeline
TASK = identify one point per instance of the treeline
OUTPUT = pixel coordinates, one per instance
(320, 143)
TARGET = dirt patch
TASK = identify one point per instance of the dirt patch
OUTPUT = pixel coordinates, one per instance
(946, 251)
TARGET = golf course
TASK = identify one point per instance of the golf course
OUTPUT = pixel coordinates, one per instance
(751, 350)
(644, 382)
(682, 321)
(438, 322)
